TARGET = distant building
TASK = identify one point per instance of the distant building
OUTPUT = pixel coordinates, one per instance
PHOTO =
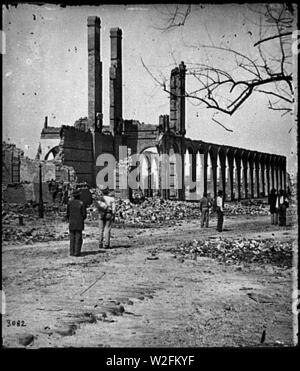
(239, 172)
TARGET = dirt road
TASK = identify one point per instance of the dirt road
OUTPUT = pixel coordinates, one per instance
(148, 296)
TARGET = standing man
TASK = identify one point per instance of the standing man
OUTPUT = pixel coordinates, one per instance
(76, 214)
(273, 209)
(220, 211)
(107, 209)
(282, 204)
(205, 205)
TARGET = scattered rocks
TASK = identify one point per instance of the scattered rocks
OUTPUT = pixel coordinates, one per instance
(26, 339)
(151, 212)
(259, 298)
(247, 207)
(235, 251)
(66, 330)
(86, 318)
(116, 302)
(31, 229)
(116, 310)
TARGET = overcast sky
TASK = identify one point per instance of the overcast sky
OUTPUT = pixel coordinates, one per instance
(45, 71)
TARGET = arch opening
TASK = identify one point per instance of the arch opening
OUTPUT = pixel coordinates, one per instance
(199, 175)
(210, 185)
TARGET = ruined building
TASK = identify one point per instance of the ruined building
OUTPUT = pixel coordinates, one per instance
(21, 175)
(241, 173)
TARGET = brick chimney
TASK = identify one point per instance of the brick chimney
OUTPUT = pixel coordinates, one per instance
(177, 99)
(181, 99)
(115, 79)
(94, 74)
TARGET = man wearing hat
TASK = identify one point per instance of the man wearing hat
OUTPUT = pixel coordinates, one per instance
(76, 214)
(220, 211)
(106, 217)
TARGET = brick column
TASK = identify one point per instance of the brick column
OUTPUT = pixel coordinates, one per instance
(272, 176)
(251, 190)
(94, 74)
(180, 122)
(276, 177)
(193, 175)
(257, 179)
(173, 98)
(181, 171)
(231, 174)
(205, 172)
(245, 186)
(268, 179)
(283, 170)
(115, 79)
(263, 180)
(214, 177)
(238, 180)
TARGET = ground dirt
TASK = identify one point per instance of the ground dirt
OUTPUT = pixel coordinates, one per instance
(140, 294)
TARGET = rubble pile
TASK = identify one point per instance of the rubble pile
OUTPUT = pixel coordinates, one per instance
(231, 251)
(12, 211)
(30, 235)
(152, 211)
(250, 207)
(20, 223)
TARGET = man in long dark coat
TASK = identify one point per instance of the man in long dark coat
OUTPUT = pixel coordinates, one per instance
(273, 209)
(76, 214)
(220, 211)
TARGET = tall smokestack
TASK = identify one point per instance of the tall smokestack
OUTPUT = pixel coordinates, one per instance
(173, 98)
(94, 74)
(181, 99)
(115, 79)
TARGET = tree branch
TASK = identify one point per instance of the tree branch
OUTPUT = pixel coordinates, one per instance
(222, 125)
(272, 38)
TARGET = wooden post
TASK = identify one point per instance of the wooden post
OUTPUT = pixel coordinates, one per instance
(41, 205)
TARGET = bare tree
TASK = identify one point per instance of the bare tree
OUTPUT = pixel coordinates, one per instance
(267, 74)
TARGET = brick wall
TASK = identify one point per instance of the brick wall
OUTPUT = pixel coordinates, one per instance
(77, 152)
(140, 136)
(11, 156)
(29, 170)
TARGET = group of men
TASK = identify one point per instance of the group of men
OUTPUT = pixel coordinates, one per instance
(278, 206)
(104, 201)
(76, 215)
(207, 204)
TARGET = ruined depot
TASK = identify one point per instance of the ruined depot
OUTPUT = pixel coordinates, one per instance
(241, 173)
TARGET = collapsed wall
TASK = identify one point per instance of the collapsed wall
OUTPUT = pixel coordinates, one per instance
(21, 175)
(11, 157)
